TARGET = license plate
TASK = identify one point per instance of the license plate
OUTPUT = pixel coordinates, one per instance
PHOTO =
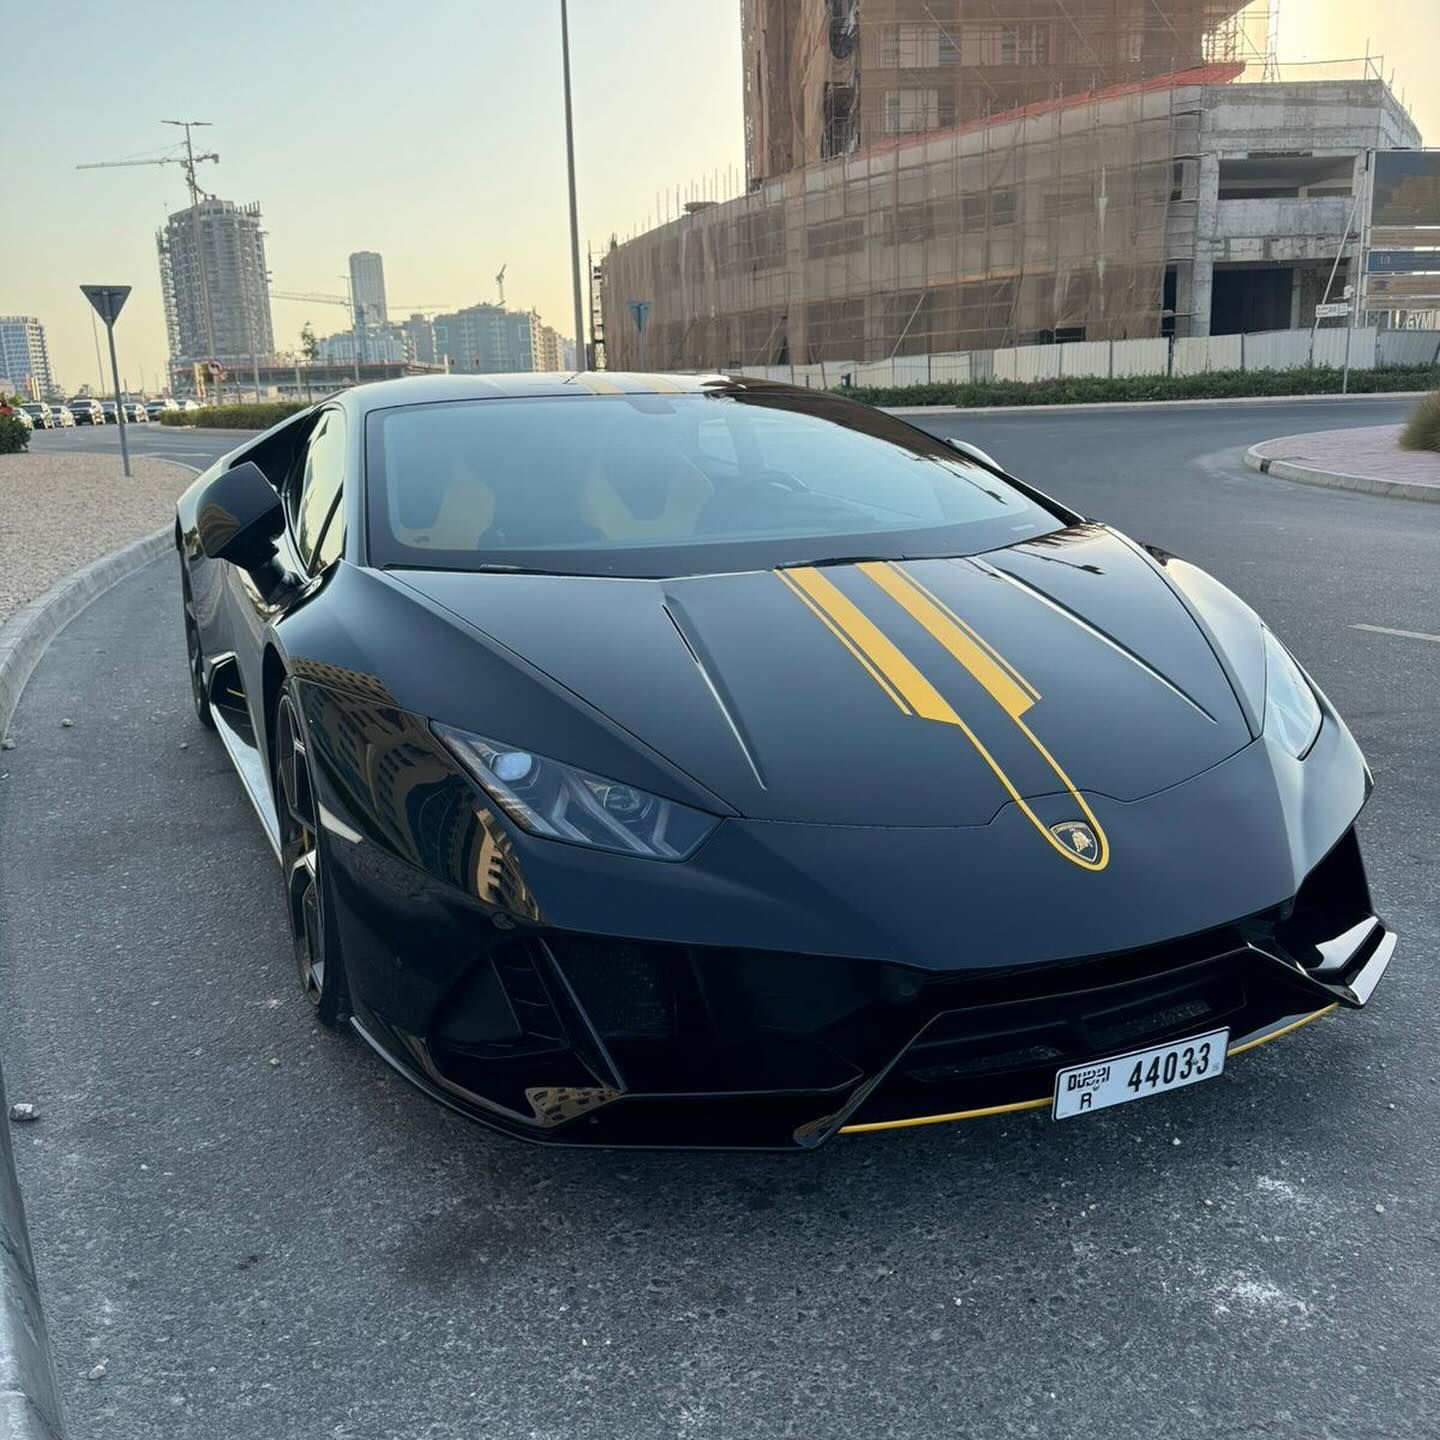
(1081, 1089)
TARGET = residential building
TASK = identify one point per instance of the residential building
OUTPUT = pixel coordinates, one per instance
(420, 336)
(25, 356)
(1162, 183)
(379, 345)
(488, 340)
(301, 381)
(551, 352)
(367, 288)
(214, 284)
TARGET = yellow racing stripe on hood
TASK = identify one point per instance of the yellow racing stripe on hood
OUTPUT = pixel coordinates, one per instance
(879, 651)
(998, 678)
(899, 677)
(840, 635)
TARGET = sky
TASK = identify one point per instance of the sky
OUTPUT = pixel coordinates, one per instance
(432, 132)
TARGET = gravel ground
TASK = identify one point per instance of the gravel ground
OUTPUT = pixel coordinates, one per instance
(58, 512)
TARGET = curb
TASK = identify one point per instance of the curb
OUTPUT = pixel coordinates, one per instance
(1150, 404)
(1338, 479)
(29, 1391)
(24, 636)
(240, 435)
(29, 1394)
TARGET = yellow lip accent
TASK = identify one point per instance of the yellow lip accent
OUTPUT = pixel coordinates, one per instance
(1018, 1105)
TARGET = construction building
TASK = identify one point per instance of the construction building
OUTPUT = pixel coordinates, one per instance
(214, 285)
(25, 358)
(419, 338)
(367, 288)
(937, 176)
(488, 340)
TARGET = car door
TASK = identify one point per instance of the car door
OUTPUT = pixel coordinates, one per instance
(309, 489)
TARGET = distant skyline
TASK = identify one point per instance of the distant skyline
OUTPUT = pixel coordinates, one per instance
(447, 157)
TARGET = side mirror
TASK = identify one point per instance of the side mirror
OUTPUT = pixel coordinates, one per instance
(240, 516)
(974, 452)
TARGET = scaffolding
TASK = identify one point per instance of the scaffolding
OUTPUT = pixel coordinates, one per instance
(931, 176)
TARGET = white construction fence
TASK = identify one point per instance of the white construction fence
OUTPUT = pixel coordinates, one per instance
(1267, 350)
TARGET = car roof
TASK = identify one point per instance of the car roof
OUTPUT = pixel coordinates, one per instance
(433, 389)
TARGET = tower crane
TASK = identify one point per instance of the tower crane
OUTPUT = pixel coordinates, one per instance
(500, 283)
(314, 298)
(188, 161)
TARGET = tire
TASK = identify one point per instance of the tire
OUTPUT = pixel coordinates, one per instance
(194, 654)
(304, 861)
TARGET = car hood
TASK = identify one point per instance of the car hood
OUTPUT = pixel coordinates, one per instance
(924, 693)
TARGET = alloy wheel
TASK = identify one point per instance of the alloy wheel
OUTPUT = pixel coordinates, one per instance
(195, 654)
(300, 850)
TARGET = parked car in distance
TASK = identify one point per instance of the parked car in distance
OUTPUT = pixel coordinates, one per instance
(41, 416)
(16, 412)
(155, 408)
(135, 410)
(63, 416)
(188, 405)
(86, 411)
(108, 406)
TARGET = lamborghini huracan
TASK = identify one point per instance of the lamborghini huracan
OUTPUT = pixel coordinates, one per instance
(692, 760)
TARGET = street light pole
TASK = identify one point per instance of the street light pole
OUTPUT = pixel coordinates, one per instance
(581, 356)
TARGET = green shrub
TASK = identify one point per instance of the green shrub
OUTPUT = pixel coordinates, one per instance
(235, 417)
(14, 435)
(1210, 385)
(1422, 430)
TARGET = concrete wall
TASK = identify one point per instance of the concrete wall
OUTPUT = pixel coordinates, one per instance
(1188, 355)
(1340, 118)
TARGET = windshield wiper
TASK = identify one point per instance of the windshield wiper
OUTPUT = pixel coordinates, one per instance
(485, 567)
(840, 560)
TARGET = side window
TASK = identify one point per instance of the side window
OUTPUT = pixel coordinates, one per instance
(320, 482)
(332, 540)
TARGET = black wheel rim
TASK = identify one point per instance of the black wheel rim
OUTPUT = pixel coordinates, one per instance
(300, 850)
(192, 648)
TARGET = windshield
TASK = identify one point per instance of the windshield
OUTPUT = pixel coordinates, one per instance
(652, 485)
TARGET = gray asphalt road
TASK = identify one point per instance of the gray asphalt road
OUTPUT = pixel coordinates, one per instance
(169, 442)
(310, 1249)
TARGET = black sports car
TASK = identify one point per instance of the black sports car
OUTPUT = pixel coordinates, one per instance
(700, 761)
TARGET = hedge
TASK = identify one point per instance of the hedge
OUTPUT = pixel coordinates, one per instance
(1209, 385)
(235, 417)
(1422, 430)
(14, 435)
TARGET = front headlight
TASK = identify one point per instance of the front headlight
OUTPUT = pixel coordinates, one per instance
(561, 802)
(1292, 713)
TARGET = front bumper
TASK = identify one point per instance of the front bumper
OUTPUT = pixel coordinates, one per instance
(795, 981)
(583, 1040)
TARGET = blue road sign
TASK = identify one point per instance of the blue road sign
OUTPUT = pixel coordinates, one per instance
(1404, 262)
(639, 313)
